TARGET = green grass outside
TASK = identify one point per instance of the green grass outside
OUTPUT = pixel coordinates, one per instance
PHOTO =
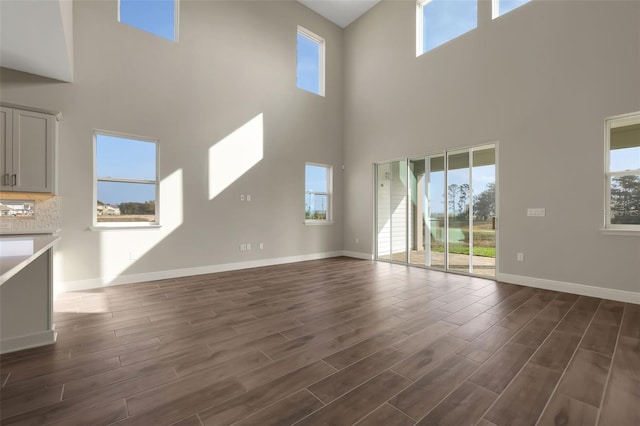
(477, 251)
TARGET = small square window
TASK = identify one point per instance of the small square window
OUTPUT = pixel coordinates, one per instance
(157, 17)
(310, 62)
(500, 7)
(317, 202)
(439, 21)
(126, 182)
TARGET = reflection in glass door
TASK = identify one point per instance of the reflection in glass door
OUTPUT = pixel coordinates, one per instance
(439, 211)
(458, 208)
(391, 211)
(483, 219)
(437, 208)
(417, 212)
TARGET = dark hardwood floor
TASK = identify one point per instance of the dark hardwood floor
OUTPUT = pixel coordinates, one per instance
(329, 342)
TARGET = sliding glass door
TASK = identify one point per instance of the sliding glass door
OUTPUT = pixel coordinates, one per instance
(439, 211)
(483, 220)
(391, 211)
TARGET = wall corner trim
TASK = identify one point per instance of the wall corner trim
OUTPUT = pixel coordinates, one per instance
(573, 288)
(358, 255)
(28, 341)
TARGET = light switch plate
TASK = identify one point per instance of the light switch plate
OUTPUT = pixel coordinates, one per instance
(536, 212)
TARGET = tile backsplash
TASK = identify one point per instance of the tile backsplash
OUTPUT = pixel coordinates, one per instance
(46, 219)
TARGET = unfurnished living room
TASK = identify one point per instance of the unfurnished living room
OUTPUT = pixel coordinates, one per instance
(314, 212)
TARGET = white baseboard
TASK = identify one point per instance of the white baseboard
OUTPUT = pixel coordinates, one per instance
(358, 255)
(89, 284)
(580, 289)
(583, 290)
(26, 342)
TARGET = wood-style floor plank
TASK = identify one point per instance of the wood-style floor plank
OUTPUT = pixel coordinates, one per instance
(557, 351)
(356, 404)
(566, 411)
(97, 416)
(464, 406)
(347, 379)
(285, 412)
(621, 404)
(497, 372)
(487, 344)
(386, 415)
(426, 392)
(333, 341)
(631, 321)
(428, 358)
(585, 377)
(600, 338)
(248, 403)
(525, 398)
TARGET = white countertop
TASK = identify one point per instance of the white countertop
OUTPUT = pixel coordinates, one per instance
(17, 251)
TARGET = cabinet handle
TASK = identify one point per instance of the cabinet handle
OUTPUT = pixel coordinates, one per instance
(14, 179)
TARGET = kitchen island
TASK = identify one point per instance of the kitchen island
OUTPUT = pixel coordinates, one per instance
(26, 291)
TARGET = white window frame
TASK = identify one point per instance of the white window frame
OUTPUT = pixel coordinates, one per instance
(329, 195)
(420, 4)
(111, 225)
(176, 21)
(612, 123)
(420, 26)
(495, 8)
(321, 58)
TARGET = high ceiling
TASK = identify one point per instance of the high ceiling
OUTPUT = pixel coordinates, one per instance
(341, 12)
(49, 50)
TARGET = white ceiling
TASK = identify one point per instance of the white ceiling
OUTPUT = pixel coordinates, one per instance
(340, 12)
(37, 37)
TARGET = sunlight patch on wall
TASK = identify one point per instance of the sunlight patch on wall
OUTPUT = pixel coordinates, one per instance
(122, 248)
(234, 155)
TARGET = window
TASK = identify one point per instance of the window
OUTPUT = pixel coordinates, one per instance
(439, 21)
(317, 190)
(159, 17)
(310, 63)
(126, 183)
(500, 7)
(623, 172)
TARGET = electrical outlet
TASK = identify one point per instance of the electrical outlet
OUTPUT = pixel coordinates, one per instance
(261, 246)
(241, 197)
(133, 255)
(520, 257)
(537, 212)
(243, 247)
(248, 197)
(248, 246)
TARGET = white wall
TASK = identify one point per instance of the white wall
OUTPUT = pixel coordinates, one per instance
(539, 80)
(234, 61)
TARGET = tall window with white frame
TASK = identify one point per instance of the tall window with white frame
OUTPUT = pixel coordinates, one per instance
(317, 193)
(310, 62)
(500, 7)
(126, 180)
(623, 172)
(439, 21)
(159, 17)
